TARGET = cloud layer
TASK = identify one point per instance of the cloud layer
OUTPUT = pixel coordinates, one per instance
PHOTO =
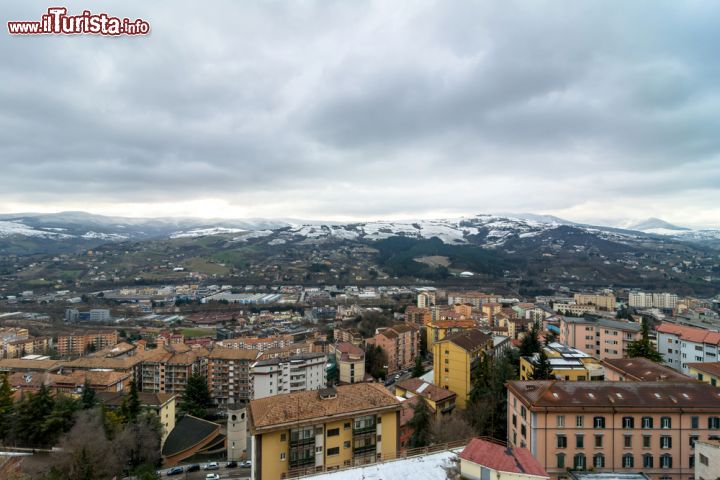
(592, 110)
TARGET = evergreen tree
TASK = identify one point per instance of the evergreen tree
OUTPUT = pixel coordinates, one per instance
(88, 398)
(487, 410)
(31, 415)
(420, 425)
(418, 369)
(530, 343)
(643, 347)
(543, 368)
(61, 418)
(196, 398)
(7, 408)
(130, 408)
(83, 468)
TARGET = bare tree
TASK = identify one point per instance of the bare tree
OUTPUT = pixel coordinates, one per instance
(450, 428)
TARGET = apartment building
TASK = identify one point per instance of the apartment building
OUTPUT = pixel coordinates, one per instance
(417, 316)
(567, 363)
(601, 337)
(440, 401)
(682, 344)
(165, 370)
(350, 362)
(259, 343)
(348, 335)
(27, 346)
(476, 299)
(448, 324)
(80, 343)
(401, 344)
(628, 427)
(708, 372)
(228, 371)
(652, 300)
(307, 432)
(300, 373)
(603, 301)
(640, 370)
(453, 359)
(573, 309)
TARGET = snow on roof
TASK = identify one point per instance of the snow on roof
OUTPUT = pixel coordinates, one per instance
(424, 467)
(428, 376)
(422, 387)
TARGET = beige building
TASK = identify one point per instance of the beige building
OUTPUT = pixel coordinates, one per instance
(648, 427)
(601, 337)
(603, 301)
(350, 361)
(228, 371)
(707, 460)
(308, 432)
(80, 343)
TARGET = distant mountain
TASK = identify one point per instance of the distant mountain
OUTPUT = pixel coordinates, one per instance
(653, 224)
(30, 233)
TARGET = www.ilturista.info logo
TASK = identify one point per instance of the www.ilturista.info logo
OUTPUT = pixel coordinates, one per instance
(58, 22)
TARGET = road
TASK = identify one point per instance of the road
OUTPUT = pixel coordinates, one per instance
(229, 473)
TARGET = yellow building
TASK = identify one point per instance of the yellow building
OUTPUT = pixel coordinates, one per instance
(440, 401)
(604, 301)
(323, 430)
(567, 364)
(437, 330)
(453, 359)
(708, 372)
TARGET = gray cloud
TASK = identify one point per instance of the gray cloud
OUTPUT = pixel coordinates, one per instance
(369, 109)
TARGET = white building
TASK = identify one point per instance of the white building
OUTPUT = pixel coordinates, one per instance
(652, 300)
(707, 460)
(302, 372)
(682, 344)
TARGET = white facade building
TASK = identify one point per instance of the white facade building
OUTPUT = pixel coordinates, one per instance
(652, 300)
(295, 374)
(681, 344)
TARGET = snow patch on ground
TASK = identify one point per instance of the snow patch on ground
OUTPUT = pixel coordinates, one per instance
(202, 232)
(8, 229)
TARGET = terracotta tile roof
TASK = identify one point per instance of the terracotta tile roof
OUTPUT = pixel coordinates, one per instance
(644, 370)
(425, 389)
(541, 394)
(712, 368)
(470, 340)
(349, 348)
(10, 364)
(690, 334)
(280, 411)
(221, 353)
(501, 458)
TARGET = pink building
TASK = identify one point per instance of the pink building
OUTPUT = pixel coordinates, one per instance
(401, 344)
(600, 337)
(631, 427)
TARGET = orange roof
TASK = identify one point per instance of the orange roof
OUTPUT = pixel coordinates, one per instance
(690, 334)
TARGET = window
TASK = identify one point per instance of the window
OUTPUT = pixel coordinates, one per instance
(318, 449)
(599, 461)
(714, 423)
(282, 456)
(599, 422)
(579, 421)
(627, 441)
(628, 422)
(523, 430)
(346, 444)
(704, 460)
(628, 461)
(665, 422)
(579, 461)
(647, 461)
(647, 422)
(333, 451)
(646, 441)
(598, 441)
(694, 422)
(579, 441)
(333, 432)
(560, 459)
(561, 441)
(693, 439)
(346, 426)
(283, 437)
(666, 461)
(522, 411)
(666, 442)
(560, 421)
(692, 461)
(514, 420)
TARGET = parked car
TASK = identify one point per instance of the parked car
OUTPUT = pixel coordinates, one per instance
(212, 476)
(175, 471)
(211, 466)
(193, 468)
(231, 464)
(247, 464)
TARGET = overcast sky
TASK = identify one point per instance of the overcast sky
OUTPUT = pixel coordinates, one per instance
(593, 111)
